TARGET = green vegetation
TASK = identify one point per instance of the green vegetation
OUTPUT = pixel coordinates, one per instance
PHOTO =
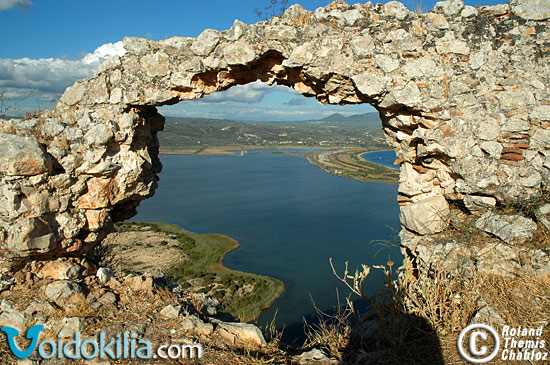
(242, 294)
(192, 135)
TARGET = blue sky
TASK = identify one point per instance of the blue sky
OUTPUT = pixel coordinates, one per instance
(55, 42)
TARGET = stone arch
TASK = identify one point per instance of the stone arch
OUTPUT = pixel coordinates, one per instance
(462, 93)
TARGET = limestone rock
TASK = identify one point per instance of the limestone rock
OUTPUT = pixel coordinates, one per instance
(515, 99)
(362, 45)
(42, 307)
(194, 324)
(237, 30)
(479, 203)
(541, 113)
(462, 126)
(61, 270)
(98, 135)
(438, 20)
(449, 44)
(314, 357)
(241, 334)
(468, 12)
(541, 139)
(409, 96)
(351, 17)
(396, 9)
(427, 216)
(11, 316)
(172, 311)
(510, 229)
(531, 9)
(110, 63)
(369, 83)
(106, 299)
(449, 7)
(22, 156)
(239, 53)
(104, 274)
(209, 304)
(71, 325)
(139, 283)
(543, 216)
(206, 42)
(30, 235)
(62, 290)
(74, 94)
(135, 45)
(493, 149)
(157, 64)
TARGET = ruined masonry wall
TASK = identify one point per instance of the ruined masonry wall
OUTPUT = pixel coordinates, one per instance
(463, 94)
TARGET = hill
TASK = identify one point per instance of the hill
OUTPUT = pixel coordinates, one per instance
(363, 130)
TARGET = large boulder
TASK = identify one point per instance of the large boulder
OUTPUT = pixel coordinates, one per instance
(241, 334)
(22, 156)
(61, 270)
(531, 9)
(427, 216)
(194, 324)
(510, 229)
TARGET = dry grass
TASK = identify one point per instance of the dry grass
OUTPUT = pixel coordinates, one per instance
(332, 331)
(462, 229)
(418, 320)
(417, 8)
(271, 333)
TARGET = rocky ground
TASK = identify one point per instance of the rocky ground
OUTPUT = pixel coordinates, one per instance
(70, 295)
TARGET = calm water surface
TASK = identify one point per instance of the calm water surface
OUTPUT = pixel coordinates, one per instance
(385, 158)
(289, 217)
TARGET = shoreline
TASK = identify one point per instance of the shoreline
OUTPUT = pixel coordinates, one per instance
(361, 156)
(234, 150)
(350, 164)
(339, 161)
(220, 266)
(199, 267)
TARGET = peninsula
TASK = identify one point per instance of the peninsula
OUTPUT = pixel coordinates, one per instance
(192, 260)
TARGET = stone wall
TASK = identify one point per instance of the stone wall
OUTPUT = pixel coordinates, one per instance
(462, 92)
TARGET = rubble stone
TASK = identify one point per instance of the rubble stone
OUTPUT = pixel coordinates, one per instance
(462, 128)
(238, 333)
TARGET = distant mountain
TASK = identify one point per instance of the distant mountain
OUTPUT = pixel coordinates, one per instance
(336, 117)
(368, 122)
(361, 118)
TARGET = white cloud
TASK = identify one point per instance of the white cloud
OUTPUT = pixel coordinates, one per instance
(242, 111)
(51, 76)
(296, 101)
(8, 4)
(253, 92)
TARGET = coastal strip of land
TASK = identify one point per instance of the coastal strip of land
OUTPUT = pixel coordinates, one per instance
(349, 163)
(233, 150)
(345, 162)
(194, 261)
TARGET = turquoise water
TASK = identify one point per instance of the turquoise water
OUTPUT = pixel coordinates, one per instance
(289, 217)
(385, 158)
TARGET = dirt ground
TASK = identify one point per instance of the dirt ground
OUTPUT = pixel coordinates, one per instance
(144, 250)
